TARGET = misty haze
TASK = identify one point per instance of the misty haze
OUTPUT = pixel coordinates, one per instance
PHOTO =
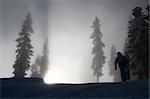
(75, 41)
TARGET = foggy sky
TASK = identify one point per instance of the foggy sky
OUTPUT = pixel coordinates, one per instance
(68, 24)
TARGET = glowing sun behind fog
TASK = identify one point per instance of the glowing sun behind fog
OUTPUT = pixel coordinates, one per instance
(63, 70)
(54, 76)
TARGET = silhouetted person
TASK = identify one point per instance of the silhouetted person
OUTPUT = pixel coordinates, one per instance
(122, 62)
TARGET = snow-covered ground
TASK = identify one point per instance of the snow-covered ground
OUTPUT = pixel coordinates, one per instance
(36, 88)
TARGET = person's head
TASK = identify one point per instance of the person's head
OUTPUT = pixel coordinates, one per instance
(119, 53)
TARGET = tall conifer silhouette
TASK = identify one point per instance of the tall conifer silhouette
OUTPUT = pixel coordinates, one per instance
(97, 51)
(24, 49)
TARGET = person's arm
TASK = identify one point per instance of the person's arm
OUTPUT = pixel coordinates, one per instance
(116, 63)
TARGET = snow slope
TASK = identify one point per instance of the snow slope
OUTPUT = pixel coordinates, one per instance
(36, 88)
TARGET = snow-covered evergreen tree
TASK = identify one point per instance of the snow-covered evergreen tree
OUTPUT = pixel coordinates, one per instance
(111, 63)
(97, 51)
(24, 49)
(35, 69)
(44, 60)
(137, 48)
(40, 67)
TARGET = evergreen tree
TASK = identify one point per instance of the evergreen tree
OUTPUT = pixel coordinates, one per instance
(36, 68)
(97, 51)
(40, 67)
(137, 48)
(24, 49)
(113, 72)
(44, 60)
(147, 16)
(146, 44)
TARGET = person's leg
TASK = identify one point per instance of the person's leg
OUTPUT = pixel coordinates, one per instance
(123, 76)
(123, 73)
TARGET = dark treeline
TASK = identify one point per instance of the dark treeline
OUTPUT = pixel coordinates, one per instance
(137, 43)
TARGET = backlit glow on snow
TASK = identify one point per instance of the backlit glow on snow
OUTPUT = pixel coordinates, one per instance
(53, 76)
(59, 76)
(63, 70)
